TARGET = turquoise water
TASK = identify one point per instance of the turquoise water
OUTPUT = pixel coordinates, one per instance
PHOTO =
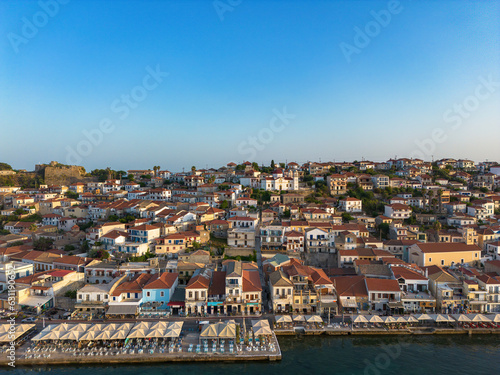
(426, 355)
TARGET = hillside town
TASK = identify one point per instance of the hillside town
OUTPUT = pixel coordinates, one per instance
(319, 238)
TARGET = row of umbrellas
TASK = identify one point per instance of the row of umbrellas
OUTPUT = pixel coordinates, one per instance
(299, 318)
(261, 327)
(219, 330)
(7, 335)
(111, 331)
(155, 330)
(438, 318)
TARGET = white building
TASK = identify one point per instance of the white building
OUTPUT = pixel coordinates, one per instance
(351, 205)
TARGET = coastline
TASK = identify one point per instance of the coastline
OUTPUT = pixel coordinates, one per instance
(383, 332)
(148, 358)
(66, 359)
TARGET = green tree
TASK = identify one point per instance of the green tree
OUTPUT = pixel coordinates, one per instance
(5, 167)
(224, 205)
(71, 194)
(113, 217)
(383, 230)
(346, 217)
(85, 246)
(43, 244)
(70, 294)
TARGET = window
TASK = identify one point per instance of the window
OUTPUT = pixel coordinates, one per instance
(162, 294)
(442, 262)
(430, 259)
(148, 294)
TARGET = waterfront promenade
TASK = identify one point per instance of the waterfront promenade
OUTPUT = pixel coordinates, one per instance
(246, 339)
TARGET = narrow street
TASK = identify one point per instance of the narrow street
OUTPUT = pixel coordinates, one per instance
(261, 272)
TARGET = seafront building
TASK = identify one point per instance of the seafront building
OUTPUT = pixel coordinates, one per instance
(404, 235)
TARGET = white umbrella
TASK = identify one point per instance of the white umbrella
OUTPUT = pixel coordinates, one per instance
(119, 335)
(423, 317)
(177, 325)
(140, 333)
(360, 319)
(479, 318)
(314, 319)
(299, 318)
(411, 319)
(260, 323)
(44, 332)
(389, 319)
(495, 318)
(438, 318)
(72, 335)
(375, 319)
(265, 331)
(104, 335)
(461, 318)
(401, 319)
(53, 335)
(284, 319)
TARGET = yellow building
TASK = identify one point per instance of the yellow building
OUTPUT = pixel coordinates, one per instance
(477, 296)
(443, 254)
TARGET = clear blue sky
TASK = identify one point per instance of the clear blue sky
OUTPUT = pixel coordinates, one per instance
(228, 77)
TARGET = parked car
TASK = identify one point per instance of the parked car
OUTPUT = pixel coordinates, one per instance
(31, 319)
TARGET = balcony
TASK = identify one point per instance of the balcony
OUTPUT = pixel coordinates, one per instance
(93, 302)
(233, 299)
(282, 296)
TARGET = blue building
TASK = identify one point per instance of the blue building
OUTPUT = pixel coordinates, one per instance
(157, 292)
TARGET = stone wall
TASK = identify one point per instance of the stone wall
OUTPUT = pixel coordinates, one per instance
(63, 175)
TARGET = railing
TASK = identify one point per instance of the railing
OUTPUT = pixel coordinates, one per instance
(92, 302)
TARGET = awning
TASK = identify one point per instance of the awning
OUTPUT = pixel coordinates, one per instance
(215, 303)
(122, 310)
(176, 304)
(348, 302)
(35, 301)
(396, 305)
(327, 305)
